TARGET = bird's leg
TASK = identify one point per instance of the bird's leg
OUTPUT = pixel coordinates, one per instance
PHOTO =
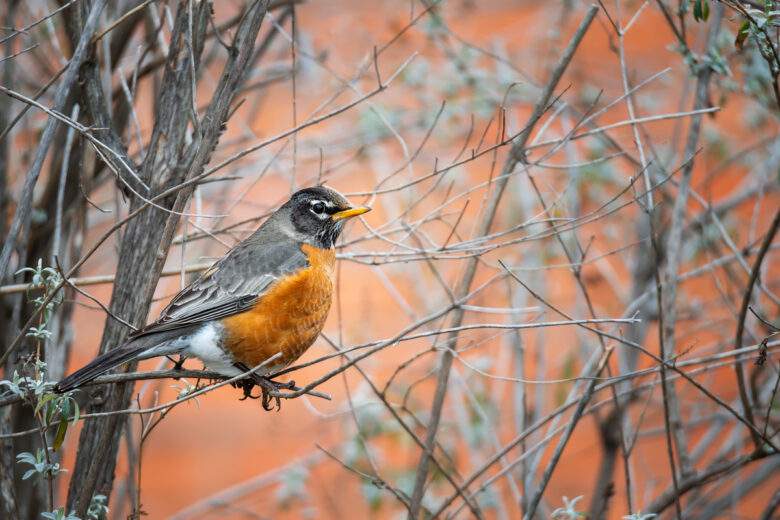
(178, 364)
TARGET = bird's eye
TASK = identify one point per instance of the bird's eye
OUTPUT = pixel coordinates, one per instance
(318, 208)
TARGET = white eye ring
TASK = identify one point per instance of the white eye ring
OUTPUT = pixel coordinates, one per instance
(318, 208)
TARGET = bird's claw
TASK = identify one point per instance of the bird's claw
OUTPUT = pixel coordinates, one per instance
(269, 391)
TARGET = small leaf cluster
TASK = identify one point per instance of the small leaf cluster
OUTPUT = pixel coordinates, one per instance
(759, 57)
(98, 508)
(48, 280)
(27, 387)
(640, 516)
(569, 510)
(292, 486)
(184, 388)
(59, 514)
(51, 408)
(62, 410)
(40, 465)
(755, 27)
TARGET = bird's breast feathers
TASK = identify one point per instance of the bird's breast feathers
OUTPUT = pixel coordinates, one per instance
(288, 317)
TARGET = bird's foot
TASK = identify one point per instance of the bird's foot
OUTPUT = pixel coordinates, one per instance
(269, 390)
(246, 385)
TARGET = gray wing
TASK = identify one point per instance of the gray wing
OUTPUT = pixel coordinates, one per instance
(231, 286)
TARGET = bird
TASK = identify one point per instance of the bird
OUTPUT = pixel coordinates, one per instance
(268, 296)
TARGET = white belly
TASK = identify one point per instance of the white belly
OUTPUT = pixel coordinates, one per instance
(205, 345)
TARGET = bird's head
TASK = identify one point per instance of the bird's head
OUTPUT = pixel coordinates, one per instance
(318, 214)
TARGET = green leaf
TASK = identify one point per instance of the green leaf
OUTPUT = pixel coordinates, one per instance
(701, 10)
(26, 457)
(742, 35)
(59, 437)
(42, 402)
(76, 413)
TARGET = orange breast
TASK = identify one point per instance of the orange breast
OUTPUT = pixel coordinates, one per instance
(288, 318)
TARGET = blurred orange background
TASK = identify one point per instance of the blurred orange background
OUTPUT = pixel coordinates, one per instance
(246, 463)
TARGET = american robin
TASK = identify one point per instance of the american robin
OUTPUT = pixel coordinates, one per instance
(270, 294)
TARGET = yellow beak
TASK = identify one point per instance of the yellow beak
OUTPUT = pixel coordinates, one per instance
(351, 212)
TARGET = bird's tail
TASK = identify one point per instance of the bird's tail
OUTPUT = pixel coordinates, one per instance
(99, 366)
(134, 350)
